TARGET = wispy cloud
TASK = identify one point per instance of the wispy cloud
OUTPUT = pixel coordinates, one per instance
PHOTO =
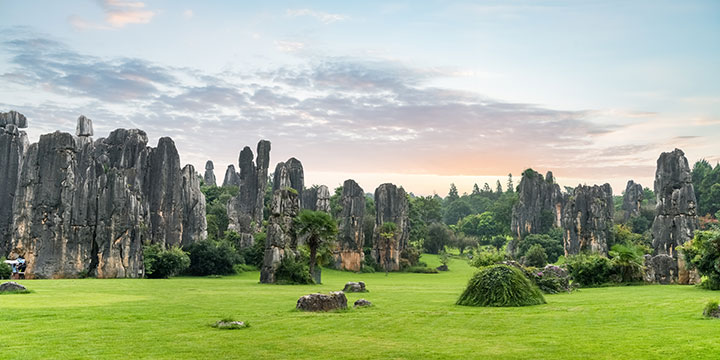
(118, 13)
(289, 46)
(325, 18)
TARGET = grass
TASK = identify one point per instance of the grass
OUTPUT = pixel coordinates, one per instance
(414, 317)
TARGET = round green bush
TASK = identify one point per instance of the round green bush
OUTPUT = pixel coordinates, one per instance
(500, 285)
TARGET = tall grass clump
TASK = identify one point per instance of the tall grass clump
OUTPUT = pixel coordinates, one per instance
(500, 285)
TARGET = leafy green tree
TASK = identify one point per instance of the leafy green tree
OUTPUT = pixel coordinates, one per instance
(476, 189)
(498, 242)
(502, 210)
(703, 253)
(437, 238)
(464, 242)
(553, 246)
(452, 193)
(164, 263)
(486, 188)
(336, 205)
(319, 228)
(498, 188)
(456, 211)
(210, 257)
(510, 186)
(706, 182)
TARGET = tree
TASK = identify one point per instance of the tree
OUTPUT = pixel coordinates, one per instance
(476, 189)
(486, 188)
(498, 188)
(452, 194)
(703, 253)
(510, 186)
(319, 228)
(464, 242)
(629, 261)
(456, 211)
(536, 256)
(553, 246)
(335, 204)
(437, 238)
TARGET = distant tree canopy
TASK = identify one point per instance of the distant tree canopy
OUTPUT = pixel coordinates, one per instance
(706, 181)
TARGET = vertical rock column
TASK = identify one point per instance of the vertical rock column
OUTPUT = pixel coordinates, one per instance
(231, 177)
(588, 219)
(675, 213)
(351, 238)
(391, 205)
(280, 241)
(540, 200)
(13, 145)
(209, 177)
(631, 200)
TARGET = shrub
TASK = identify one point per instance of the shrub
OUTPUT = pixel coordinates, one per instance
(500, 285)
(293, 271)
(5, 269)
(254, 255)
(241, 268)
(590, 270)
(412, 255)
(487, 257)
(164, 263)
(212, 258)
(703, 253)
(536, 256)
(422, 270)
(628, 261)
(711, 309)
(552, 245)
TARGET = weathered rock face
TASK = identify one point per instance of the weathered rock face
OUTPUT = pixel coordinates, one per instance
(349, 254)
(209, 177)
(322, 302)
(289, 174)
(316, 198)
(391, 205)
(245, 211)
(13, 145)
(661, 269)
(631, 200)
(281, 240)
(11, 286)
(539, 201)
(675, 216)
(231, 177)
(587, 219)
(84, 127)
(87, 207)
(362, 303)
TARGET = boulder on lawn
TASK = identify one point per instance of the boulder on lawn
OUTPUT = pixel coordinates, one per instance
(322, 302)
(442, 268)
(355, 287)
(11, 286)
(362, 303)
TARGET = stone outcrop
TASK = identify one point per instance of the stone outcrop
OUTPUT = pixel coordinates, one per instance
(84, 127)
(660, 269)
(336, 300)
(231, 178)
(675, 212)
(355, 287)
(362, 303)
(349, 254)
(209, 178)
(631, 200)
(391, 205)
(245, 211)
(588, 219)
(289, 174)
(317, 198)
(11, 286)
(13, 145)
(88, 207)
(539, 205)
(280, 240)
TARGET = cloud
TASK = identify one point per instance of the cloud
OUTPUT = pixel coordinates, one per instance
(289, 46)
(188, 14)
(336, 114)
(325, 18)
(118, 13)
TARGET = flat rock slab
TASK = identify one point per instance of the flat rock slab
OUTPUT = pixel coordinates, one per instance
(355, 287)
(230, 325)
(11, 286)
(322, 302)
(362, 303)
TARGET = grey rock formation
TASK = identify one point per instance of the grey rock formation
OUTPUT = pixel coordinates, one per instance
(336, 300)
(661, 269)
(84, 126)
(675, 216)
(209, 178)
(245, 211)
(539, 206)
(349, 254)
(13, 118)
(88, 207)
(13, 145)
(281, 240)
(362, 303)
(355, 287)
(631, 200)
(588, 219)
(231, 178)
(11, 286)
(289, 174)
(391, 205)
(316, 198)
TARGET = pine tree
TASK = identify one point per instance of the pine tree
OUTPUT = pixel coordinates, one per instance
(486, 188)
(498, 188)
(453, 193)
(476, 189)
(510, 186)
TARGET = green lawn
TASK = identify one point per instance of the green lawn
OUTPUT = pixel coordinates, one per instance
(414, 317)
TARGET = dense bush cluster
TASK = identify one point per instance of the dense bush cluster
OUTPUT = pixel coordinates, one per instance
(294, 271)
(703, 253)
(5, 269)
(163, 263)
(500, 285)
(212, 258)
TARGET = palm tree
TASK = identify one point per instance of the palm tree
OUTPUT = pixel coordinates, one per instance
(320, 229)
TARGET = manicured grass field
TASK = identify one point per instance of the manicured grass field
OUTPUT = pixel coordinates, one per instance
(414, 317)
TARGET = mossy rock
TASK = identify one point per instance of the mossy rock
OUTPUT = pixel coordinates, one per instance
(500, 285)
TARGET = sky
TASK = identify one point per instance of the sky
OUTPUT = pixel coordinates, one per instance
(418, 93)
